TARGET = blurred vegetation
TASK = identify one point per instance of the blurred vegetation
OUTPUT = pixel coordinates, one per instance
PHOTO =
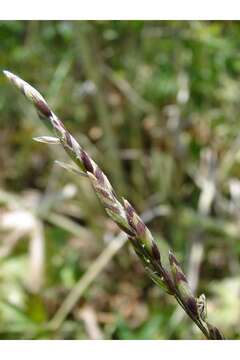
(157, 106)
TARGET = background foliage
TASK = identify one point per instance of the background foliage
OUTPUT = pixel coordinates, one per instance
(157, 106)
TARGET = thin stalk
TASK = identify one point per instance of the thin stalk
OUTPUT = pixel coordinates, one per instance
(91, 69)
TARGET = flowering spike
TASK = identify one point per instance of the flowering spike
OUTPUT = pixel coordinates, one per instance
(124, 215)
(215, 333)
(143, 234)
(182, 284)
(32, 94)
(112, 206)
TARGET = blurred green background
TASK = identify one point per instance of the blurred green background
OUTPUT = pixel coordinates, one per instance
(157, 106)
